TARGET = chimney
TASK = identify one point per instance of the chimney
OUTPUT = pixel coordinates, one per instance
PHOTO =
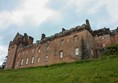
(63, 29)
(43, 36)
(88, 24)
(25, 34)
(87, 21)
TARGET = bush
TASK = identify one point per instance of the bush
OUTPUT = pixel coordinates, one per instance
(111, 50)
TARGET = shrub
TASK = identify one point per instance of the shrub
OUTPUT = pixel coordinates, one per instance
(111, 50)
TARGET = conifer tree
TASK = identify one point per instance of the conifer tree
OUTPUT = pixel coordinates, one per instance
(84, 50)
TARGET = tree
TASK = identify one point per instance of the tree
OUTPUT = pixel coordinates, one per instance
(84, 50)
(3, 64)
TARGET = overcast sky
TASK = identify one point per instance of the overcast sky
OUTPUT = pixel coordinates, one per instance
(35, 17)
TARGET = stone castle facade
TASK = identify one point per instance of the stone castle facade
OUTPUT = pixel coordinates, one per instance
(71, 45)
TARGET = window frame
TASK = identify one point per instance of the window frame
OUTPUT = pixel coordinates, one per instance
(27, 61)
(77, 51)
(32, 60)
(22, 61)
(61, 54)
(38, 59)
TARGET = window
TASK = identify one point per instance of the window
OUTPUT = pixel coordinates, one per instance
(61, 54)
(76, 51)
(46, 58)
(19, 54)
(103, 37)
(103, 45)
(76, 39)
(38, 59)
(32, 50)
(67, 40)
(92, 52)
(47, 48)
(48, 42)
(23, 53)
(32, 60)
(26, 52)
(62, 42)
(39, 51)
(22, 60)
(27, 60)
(28, 37)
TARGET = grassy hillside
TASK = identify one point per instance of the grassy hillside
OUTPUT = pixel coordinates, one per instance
(91, 71)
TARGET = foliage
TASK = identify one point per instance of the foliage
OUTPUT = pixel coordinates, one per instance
(111, 50)
(84, 50)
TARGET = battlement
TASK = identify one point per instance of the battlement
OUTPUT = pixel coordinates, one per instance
(21, 40)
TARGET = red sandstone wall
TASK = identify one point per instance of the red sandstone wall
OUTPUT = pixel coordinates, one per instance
(102, 41)
(114, 39)
(11, 57)
(52, 50)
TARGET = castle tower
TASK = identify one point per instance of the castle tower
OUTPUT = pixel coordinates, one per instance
(18, 41)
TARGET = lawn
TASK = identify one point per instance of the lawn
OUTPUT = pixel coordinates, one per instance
(90, 71)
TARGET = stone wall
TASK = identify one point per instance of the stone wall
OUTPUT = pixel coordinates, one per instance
(49, 52)
(80, 42)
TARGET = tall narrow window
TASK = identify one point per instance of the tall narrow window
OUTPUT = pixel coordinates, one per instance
(39, 51)
(76, 51)
(46, 58)
(92, 52)
(103, 45)
(38, 59)
(76, 39)
(47, 48)
(62, 42)
(22, 60)
(61, 54)
(23, 53)
(32, 60)
(26, 52)
(27, 61)
(32, 50)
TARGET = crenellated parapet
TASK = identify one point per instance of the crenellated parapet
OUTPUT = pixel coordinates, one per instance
(21, 40)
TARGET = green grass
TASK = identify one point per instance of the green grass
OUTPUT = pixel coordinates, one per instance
(91, 71)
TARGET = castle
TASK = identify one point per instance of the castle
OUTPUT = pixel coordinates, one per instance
(80, 42)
